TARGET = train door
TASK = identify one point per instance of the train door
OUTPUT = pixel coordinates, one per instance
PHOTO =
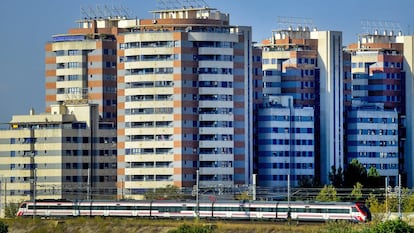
(134, 209)
(76, 209)
(106, 210)
(47, 211)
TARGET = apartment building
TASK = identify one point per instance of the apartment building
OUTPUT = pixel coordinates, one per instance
(378, 95)
(408, 67)
(372, 139)
(286, 143)
(185, 90)
(307, 65)
(67, 153)
(183, 101)
(81, 66)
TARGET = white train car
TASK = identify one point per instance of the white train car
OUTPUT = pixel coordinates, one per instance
(265, 210)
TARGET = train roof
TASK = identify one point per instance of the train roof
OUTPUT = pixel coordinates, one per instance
(201, 201)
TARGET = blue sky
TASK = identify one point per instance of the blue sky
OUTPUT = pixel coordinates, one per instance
(27, 25)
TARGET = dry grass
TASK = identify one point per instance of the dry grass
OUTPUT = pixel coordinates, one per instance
(109, 225)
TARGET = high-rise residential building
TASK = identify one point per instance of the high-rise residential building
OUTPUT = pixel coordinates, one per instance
(184, 101)
(408, 87)
(286, 143)
(307, 65)
(377, 71)
(66, 154)
(372, 139)
(81, 67)
(378, 104)
(183, 94)
(257, 91)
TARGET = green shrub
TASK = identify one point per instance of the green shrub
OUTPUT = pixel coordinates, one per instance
(11, 210)
(394, 226)
(4, 228)
(338, 227)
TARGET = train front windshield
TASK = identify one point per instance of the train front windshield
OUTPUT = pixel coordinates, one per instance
(364, 210)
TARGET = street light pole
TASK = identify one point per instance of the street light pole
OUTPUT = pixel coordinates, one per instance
(399, 197)
(386, 195)
(288, 193)
(197, 193)
(34, 193)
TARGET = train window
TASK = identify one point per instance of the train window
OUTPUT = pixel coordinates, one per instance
(169, 209)
(38, 207)
(60, 207)
(162, 209)
(141, 208)
(281, 210)
(316, 210)
(89, 207)
(354, 209)
(220, 208)
(203, 208)
(120, 207)
(301, 210)
(176, 209)
(23, 205)
(338, 211)
(100, 207)
(186, 208)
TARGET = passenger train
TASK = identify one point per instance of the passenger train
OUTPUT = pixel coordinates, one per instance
(245, 210)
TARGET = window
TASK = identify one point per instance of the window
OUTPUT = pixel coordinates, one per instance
(73, 90)
(73, 52)
(73, 77)
(60, 65)
(74, 65)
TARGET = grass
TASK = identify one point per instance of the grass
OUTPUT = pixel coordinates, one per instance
(138, 225)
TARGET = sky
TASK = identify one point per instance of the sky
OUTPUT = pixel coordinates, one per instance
(27, 25)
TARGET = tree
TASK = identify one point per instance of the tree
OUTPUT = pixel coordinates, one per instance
(392, 200)
(11, 210)
(408, 204)
(327, 193)
(336, 176)
(355, 172)
(170, 192)
(374, 179)
(356, 193)
(373, 172)
(374, 205)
